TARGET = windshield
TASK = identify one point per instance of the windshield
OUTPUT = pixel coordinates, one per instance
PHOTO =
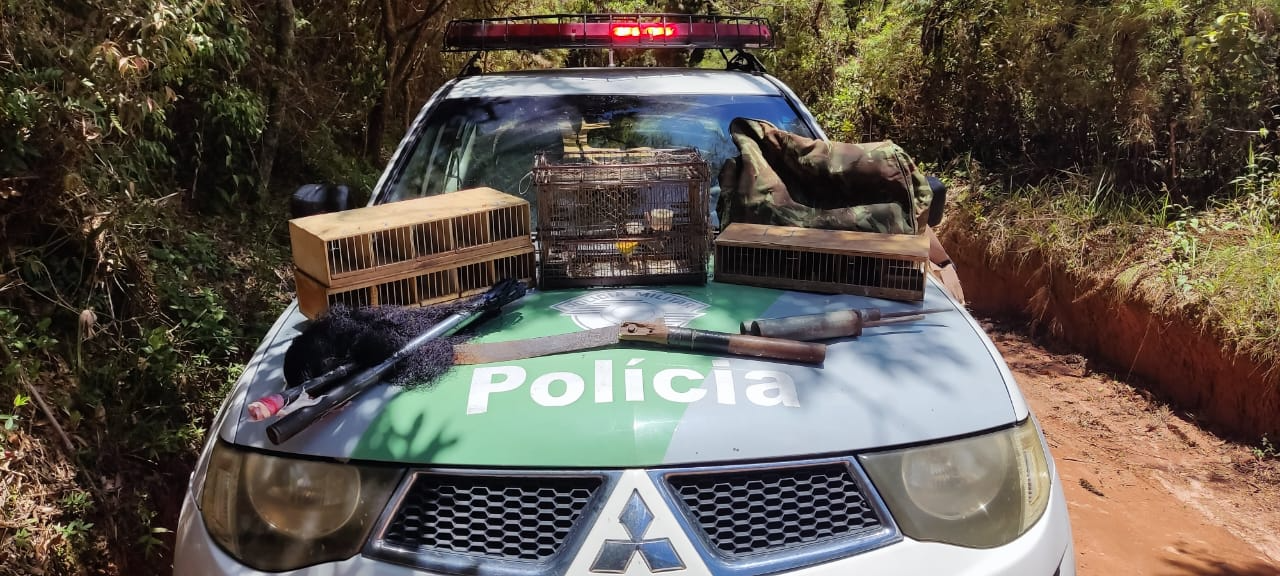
(470, 142)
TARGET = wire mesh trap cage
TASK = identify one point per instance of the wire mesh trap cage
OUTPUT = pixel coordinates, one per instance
(889, 266)
(609, 218)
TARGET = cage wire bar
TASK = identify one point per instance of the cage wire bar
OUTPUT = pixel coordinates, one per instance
(819, 260)
(610, 218)
(439, 285)
(845, 273)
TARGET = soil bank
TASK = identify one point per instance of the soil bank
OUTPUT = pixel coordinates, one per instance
(1149, 493)
(1168, 354)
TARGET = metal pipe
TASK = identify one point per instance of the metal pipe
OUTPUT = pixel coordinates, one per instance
(826, 325)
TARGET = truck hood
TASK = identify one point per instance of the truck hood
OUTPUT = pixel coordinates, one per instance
(637, 407)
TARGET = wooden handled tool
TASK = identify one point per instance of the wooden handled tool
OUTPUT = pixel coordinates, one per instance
(653, 332)
(488, 352)
(723, 342)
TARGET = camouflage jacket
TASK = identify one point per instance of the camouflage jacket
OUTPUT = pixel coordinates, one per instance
(786, 179)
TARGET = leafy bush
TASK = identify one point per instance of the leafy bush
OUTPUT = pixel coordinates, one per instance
(1156, 92)
(123, 127)
(140, 266)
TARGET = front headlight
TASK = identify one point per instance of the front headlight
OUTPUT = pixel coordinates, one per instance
(275, 514)
(978, 492)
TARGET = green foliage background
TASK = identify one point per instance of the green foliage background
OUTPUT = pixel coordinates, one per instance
(1161, 94)
(141, 258)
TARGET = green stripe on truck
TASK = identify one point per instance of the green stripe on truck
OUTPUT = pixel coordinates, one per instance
(615, 407)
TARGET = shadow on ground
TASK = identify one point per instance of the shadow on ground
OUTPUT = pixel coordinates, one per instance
(1201, 565)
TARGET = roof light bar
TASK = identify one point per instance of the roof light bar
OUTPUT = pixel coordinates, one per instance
(607, 31)
(651, 31)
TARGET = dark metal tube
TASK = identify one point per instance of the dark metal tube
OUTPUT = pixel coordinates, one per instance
(836, 324)
(807, 327)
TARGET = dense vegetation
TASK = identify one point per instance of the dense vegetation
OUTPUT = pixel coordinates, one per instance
(147, 148)
(1134, 140)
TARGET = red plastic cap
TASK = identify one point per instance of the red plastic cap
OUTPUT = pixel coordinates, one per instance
(265, 407)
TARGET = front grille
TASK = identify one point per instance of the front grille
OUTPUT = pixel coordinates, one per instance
(497, 517)
(758, 511)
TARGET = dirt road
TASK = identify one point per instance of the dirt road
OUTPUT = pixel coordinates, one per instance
(1149, 492)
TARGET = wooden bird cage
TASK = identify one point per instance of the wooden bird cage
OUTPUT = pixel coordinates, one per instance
(413, 252)
(426, 286)
(889, 266)
(610, 217)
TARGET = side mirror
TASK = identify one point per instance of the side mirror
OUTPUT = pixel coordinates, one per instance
(939, 201)
(313, 199)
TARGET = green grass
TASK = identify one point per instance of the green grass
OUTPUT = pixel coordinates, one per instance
(1236, 281)
(1215, 265)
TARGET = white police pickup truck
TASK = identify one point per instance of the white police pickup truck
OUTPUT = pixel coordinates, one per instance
(909, 451)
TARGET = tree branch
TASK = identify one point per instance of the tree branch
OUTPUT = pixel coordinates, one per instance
(403, 63)
(35, 394)
(389, 22)
(431, 9)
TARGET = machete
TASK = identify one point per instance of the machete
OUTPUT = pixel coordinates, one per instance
(654, 332)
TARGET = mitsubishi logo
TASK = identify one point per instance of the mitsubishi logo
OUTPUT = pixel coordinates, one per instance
(658, 553)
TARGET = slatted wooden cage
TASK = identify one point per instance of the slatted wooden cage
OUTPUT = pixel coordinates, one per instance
(426, 286)
(413, 252)
(608, 217)
(889, 266)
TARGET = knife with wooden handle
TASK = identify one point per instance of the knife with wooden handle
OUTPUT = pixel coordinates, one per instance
(486, 352)
(654, 332)
(723, 342)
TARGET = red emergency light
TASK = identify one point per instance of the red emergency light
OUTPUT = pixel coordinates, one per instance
(607, 31)
(626, 30)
